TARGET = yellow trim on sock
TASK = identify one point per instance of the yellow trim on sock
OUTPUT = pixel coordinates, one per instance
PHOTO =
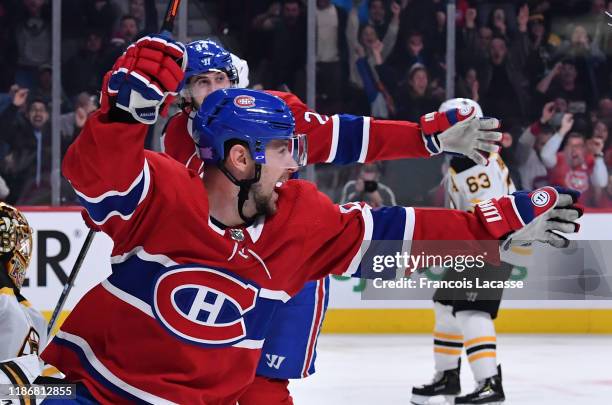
(482, 339)
(448, 336)
(452, 352)
(479, 356)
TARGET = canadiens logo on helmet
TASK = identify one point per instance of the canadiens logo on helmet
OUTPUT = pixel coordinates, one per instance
(244, 101)
(202, 305)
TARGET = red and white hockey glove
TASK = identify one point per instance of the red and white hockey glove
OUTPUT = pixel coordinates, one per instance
(458, 130)
(523, 217)
(142, 79)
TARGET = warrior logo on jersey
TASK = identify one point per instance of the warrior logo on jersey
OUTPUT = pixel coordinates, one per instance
(203, 305)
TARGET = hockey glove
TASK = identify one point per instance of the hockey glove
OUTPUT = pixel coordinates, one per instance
(524, 217)
(460, 131)
(142, 79)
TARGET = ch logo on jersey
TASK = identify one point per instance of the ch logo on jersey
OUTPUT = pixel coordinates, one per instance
(203, 305)
(274, 360)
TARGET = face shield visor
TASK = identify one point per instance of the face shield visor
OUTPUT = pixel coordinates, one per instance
(298, 147)
(287, 153)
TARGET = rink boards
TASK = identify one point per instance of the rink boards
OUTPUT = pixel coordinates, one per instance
(59, 235)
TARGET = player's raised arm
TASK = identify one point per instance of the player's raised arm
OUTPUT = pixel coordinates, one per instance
(345, 138)
(345, 233)
(107, 164)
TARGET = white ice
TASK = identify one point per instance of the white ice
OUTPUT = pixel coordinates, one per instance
(381, 370)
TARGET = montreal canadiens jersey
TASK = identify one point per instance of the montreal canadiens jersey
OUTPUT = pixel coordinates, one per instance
(467, 184)
(23, 329)
(184, 314)
(337, 139)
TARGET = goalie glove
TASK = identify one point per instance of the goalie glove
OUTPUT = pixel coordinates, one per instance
(460, 131)
(523, 217)
(142, 79)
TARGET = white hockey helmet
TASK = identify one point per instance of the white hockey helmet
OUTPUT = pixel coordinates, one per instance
(463, 104)
(242, 67)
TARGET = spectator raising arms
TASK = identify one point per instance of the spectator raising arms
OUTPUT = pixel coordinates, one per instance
(576, 166)
(367, 36)
(26, 167)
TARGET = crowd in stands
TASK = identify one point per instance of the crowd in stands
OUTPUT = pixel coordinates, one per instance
(543, 67)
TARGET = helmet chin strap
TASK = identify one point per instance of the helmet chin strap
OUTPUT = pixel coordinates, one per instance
(245, 187)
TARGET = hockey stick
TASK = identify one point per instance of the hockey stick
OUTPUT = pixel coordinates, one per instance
(166, 28)
(171, 12)
(70, 281)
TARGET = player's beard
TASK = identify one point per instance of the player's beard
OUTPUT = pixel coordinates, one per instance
(264, 204)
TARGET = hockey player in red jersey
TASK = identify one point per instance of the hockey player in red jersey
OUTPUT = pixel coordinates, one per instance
(183, 316)
(338, 139)
(289, 351)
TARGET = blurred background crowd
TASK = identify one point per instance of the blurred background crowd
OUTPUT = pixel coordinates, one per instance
(543, 67)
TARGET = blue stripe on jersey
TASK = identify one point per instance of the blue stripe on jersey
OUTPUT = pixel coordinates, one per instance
(389, 224)
(123, 204)
(350, 139)
(288, 336)
(94, 373)
(135, 277)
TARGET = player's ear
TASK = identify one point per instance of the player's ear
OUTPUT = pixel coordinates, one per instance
(239, 158)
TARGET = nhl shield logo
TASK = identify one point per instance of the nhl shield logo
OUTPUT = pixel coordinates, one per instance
(203, 305)
(237, 234)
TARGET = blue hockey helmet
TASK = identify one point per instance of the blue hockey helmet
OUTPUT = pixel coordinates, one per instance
(251, 116)
(205, 56)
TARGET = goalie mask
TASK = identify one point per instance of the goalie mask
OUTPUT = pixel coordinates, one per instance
(15, 243)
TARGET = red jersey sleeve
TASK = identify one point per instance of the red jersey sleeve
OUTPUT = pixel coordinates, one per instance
(342, 236)
(345, 138)
(114, 178)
